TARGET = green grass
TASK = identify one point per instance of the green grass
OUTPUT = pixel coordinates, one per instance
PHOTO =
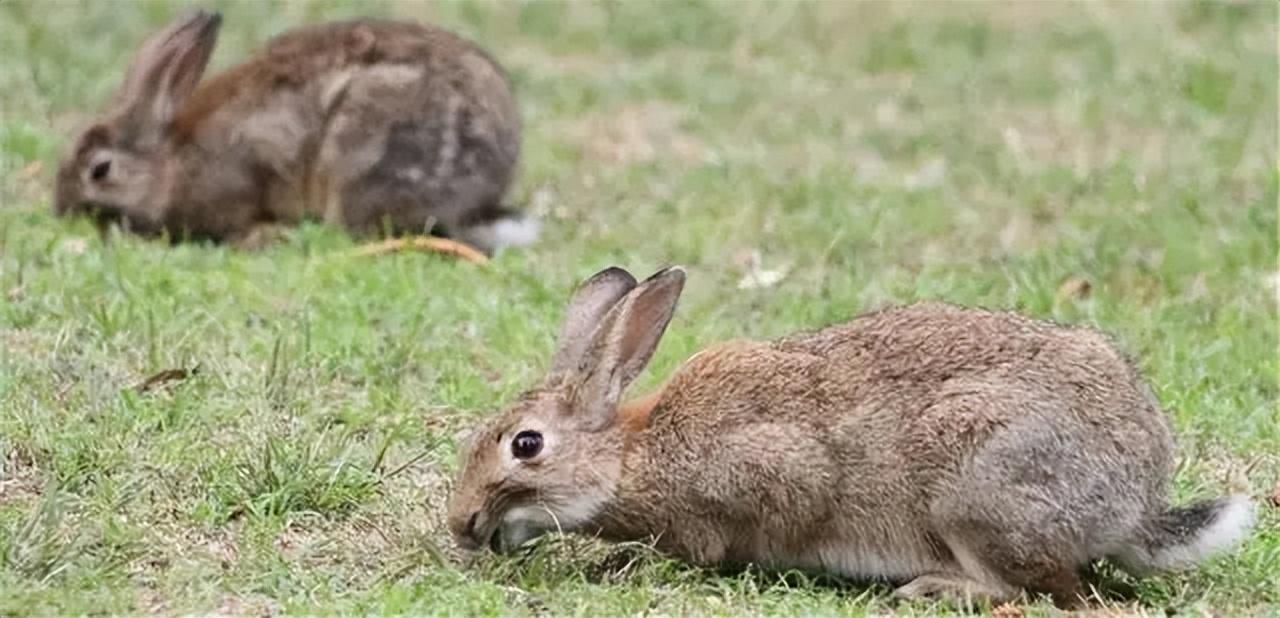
(876, 153)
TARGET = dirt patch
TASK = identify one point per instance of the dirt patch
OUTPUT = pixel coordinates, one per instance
(636, 133)
(1037, 139)
(19, 478)
(390, 536)
(1117, 611)
(30, 185)
(240, 606)
(549, 65)
(178, 543)
(21, 343)
(151, 602)
(1011, 14)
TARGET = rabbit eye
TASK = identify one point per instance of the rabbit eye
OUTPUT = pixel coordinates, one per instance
(526, 445)
(100, 170)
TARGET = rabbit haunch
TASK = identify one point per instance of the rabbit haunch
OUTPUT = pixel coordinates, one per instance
(375, 126)
(960, 452)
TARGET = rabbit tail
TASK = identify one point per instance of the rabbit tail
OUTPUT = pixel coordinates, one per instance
(1182, 536)
(498, 227)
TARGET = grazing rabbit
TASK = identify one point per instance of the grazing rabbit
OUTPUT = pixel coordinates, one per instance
(377, 126)
(962, 453)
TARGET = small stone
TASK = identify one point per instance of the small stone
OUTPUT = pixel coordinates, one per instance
(1074, 287)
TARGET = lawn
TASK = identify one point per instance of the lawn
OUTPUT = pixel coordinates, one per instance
(1106, 164)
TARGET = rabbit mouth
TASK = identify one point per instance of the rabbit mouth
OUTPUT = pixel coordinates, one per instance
(102, 214)
(106, 215)
(509, 537)
(518, 526)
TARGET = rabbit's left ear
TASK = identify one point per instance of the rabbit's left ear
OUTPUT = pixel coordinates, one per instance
(623, 345)
(166, 70)
(590, 304)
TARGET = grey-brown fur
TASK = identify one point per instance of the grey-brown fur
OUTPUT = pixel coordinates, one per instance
(373, 125)
(959, 452)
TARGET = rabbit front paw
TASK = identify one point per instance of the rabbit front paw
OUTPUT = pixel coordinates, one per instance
(958, 589)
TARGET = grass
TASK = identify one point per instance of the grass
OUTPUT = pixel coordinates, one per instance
(1108, 164)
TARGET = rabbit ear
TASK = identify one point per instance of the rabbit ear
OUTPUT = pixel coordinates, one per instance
(167, 69)
(593, 299)
(623, 345)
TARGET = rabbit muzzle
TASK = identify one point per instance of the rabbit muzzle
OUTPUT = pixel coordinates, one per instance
(473, 533)
(502, 532)
(514, 531)
(104, 216)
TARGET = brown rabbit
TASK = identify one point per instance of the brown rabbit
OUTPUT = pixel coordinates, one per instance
(959, 452)
(373, 125)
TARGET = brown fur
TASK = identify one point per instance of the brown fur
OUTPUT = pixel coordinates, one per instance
(372, 125)
(961, 452)
(634, 415)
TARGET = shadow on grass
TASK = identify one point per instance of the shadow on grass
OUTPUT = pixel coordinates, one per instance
(554, 559)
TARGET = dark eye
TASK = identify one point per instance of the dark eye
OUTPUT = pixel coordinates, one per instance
(100, 170)
(526, 445)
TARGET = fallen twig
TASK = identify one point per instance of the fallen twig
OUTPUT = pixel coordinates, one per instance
(162, 378)
(405, 466)
(424, 243)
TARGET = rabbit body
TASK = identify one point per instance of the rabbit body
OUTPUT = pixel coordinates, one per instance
(959, 452)
(906, 442)
(371, 125)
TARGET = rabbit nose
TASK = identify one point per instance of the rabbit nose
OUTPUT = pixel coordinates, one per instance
(463, 529)
(471, 524)
(467, 535)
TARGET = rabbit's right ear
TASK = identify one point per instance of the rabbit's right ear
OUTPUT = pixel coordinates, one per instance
(167, 69)
(623, 345)
(591, 302)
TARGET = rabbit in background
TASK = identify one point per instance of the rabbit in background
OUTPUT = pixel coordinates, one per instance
(375, 126)
(958, 453)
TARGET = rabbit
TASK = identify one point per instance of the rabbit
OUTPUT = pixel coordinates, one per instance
(960, 453)
(376, 126)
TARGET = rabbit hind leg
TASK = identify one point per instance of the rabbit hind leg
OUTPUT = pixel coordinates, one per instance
(1003, 524)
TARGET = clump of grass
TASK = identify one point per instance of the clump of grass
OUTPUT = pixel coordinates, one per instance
(40, 544)
(57, 534)
(284, 476)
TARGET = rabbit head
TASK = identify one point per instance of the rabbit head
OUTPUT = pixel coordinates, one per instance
(119, 169)
(552, 460)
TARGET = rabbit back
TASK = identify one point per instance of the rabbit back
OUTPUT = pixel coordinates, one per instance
(928, 381)
(441, 154)
(864, 447)
(375, 126)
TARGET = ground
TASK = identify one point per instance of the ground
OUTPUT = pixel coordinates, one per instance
(1105, 164)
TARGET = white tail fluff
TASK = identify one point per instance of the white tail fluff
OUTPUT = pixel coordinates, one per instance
(1230, 522)
(508, 231)
(1182, 536)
